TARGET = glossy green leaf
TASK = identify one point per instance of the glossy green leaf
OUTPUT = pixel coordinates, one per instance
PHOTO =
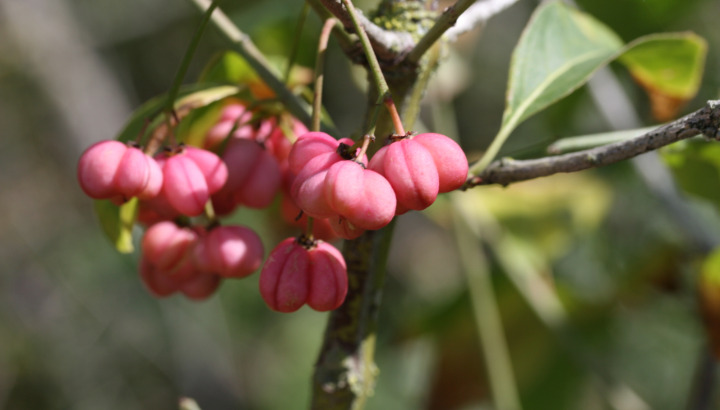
(669, 67)
(557, 53)
(117, 222)
(149, 115)
(669, 63)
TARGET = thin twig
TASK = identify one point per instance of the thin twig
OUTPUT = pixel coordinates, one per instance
(347, 42)
(320, 72)
(388, 45)
(705, 121)
(374, 67)
(476, 15)
(242, 44)
(185, 64)
(296, 41)
(443, 23)
(461, 17)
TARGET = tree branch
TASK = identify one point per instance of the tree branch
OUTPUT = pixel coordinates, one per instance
(388, 45)
(461, 17)
(477, 15)
(244, 46)
(705, 121)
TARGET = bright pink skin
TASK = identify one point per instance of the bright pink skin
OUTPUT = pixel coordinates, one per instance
(345, 229)
(232, 116)
(284, 278)
(156, 210)
(307, 189)
(159, 285)
(321, 226)
(200, 287)
(166, 246)
(279, 144)
(138, 175)
(411, 171)
(232, 112)
(213, 168)
(311, 198)
(254, 176)
(328, 278)
(230, 251)
(97, 168)
(308, 146)
(362, 196)
(184, 185)
(293, 276)
(449, 158)
(112, 170)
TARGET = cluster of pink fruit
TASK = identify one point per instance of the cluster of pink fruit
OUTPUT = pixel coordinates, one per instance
(319, 176)
(331, 182)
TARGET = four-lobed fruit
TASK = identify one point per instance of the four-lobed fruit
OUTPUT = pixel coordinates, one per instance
(193, 261)
(296, 274)
(420, 167)
(407, 174)
(113, 170)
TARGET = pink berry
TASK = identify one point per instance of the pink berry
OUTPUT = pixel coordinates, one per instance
(112, 170)
(230, 251)
(158, 284)
(213, 168)
(308, 146)
(184, 185)
(284, 278)
(254, 176)
(200, 287)
(410, 169)
(166, 246)
(294, 275)
(345, 229)
(280, 144)
(328, 278)
(138, 175)
(362, 196)
(449, 158)
(97, 168)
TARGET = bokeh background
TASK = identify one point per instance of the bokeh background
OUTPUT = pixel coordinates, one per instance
(594, 274)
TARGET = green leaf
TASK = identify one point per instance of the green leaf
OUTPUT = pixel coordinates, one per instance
(150, 115)
(557, 53)
(581, 142)
(228, 68)
(696, 168)
(670, 63)
(117, 222)
(669, 67)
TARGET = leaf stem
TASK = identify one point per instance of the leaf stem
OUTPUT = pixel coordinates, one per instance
(187, 58)
(296, 41)
(244, 46)
(412, 110)
(442, 24)
(374, 67)
(320, 72)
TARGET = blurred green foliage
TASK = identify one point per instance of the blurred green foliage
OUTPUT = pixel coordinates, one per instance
(595, 278)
